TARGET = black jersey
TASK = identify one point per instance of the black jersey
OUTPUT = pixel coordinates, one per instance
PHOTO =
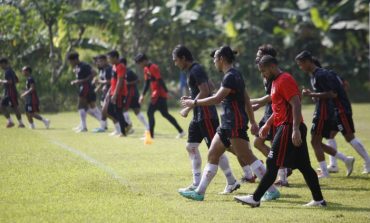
(105, 74)
(196, 77)
(268, 107)
(82, 71)
(321, 81)
(234, 116)
(32, 97)
(132, 89)
(341, 102)
(10, 89)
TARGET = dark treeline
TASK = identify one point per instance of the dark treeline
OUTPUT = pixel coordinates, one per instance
(41, 33)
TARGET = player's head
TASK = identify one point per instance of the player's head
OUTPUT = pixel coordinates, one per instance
(268, 65)
(113, 57)
(4, 63)
(305, 61)
(141, 59)
(316, 62)
(223, 56)
(73, 58)
(182, 57)
(123, 60)
(265, 49)
(26, 70)
(101, 61)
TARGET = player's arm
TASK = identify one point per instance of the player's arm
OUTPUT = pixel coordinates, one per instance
(32, 88)
(266, 127)
(204, 91)
(295, 103)
(6, 82)
(212, 100)
(261, 101)
(320, 95)
(145, 89)
(248, 108)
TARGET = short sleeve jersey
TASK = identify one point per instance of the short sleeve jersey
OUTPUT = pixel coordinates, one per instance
(321, 82)
(118, 71)
(32, 96)
(82, 71)
(234, 115)
(341, 102)
(152, 73)
(284, 87)
(132, 88)
(196, 77)
(268, 107)
(10, 88)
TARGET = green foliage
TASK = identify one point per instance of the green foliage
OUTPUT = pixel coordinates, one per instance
(337, 33)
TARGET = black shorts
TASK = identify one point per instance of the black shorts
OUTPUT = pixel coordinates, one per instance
(283, 153)
(205, 129)
(322, 127)
(9, 101)
(87, 92)
(132, 102)
(32, 107)
(345, 123)
(270, 134)
(227, 134)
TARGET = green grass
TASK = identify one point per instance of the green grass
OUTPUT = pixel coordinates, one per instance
(57, 175)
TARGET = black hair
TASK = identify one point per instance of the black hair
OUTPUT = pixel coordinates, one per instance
(140, 58)
(316, 62)
(113, 54)
(123, 60)
(101, 57)
(267, 49)
(267, 60)
(73, 56)
(226, 52)
(3, 60)
(181, 51)
(304, 55)
(27, 68)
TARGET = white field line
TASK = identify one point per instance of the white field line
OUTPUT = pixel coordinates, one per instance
(94, 162)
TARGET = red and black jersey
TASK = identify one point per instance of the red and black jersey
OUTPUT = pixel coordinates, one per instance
(10, 89)
(32, 97)
(234, 116)
(284, 87)
(118, 71)
(152, 74)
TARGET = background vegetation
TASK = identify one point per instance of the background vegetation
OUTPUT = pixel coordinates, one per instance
(41, 33)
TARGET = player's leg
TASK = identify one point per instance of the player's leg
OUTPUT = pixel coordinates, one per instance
(164, 112)
(82, 108)
(151, 110)
(4, 109)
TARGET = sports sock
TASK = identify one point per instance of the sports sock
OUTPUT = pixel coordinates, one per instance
(10, 120)
(360, 149)
(225, 167)
(117, 127)
(259, 170)
(142, 119)
(333, 144)
(247, 171)
(196, 162)
(83, 118)
(323, 167)
(282, 173)
(341, 156)
(127, 118)
(208, 173)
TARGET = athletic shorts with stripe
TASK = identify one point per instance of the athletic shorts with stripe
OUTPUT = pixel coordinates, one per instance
(32, 107)
(205, 129)
(345, 123)
(9, 102)
(87, 92)
(284, 153)
(322, 127)
(227, 134)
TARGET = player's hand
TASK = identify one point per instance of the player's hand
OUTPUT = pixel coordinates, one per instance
(185, 97)
(296, 137)
(23, 95)
(255, 107)
(74, 82)
(184, 112)
(264, 131)
(187, 103)
(306, 92)
(254, 128)
(113, 99)
(141, 99)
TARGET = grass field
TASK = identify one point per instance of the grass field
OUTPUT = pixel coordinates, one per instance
(57, 175)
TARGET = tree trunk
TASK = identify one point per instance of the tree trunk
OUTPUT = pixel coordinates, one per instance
(51, 52)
